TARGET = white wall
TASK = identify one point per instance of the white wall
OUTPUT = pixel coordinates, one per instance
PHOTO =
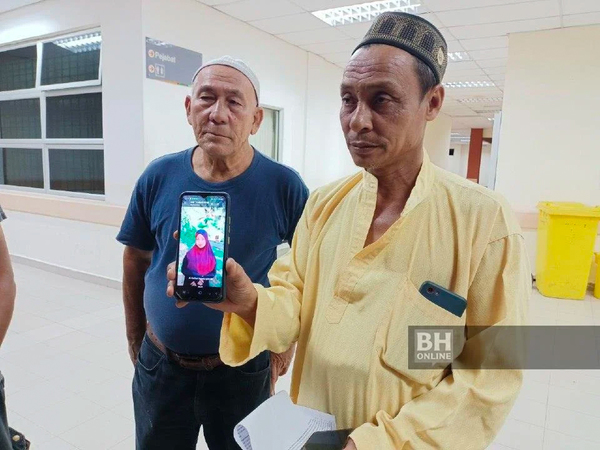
(327, 157)
(459, 161)
(484, 166)
(437, 140)
(549, 134)
(79, 246)
(550, 127)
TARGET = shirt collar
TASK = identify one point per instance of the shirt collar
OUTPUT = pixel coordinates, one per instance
(421, 190)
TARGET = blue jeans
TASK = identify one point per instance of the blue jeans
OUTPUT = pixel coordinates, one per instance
(171, 402)
(7, 434)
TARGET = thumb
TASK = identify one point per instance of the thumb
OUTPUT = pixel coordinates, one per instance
(235, 272)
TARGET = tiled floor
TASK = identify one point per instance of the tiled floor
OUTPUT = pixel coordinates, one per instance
(68, 375)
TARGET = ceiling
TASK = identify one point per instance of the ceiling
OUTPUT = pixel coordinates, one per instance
(8, 5)
(478, 27)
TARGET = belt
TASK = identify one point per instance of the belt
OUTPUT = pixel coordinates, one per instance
(203, 363)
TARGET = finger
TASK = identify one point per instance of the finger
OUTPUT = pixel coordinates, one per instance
(171, 272)
(230, 267)
(235, 272)
(176, 235)
(273, 381)
(222, 306)
(181, 304)
(170, 289)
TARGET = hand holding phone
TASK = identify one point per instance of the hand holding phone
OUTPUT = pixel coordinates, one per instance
(241, 298)
(241, 295)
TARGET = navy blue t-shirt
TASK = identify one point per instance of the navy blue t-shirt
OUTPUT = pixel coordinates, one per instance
(267, 201)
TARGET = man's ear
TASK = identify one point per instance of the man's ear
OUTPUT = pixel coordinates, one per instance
(435, 100)
(259, 115)
(188, 108)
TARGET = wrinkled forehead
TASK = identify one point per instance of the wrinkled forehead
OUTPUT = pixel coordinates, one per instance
(379, 65)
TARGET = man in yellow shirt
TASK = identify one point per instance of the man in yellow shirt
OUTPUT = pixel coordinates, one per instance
(348, 290)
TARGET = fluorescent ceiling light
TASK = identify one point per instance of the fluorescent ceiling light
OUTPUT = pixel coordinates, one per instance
(458, 56)
(81, 43)
(468, 84)
(485, 111)
(363, 12)
(481, 100)
(490, 118)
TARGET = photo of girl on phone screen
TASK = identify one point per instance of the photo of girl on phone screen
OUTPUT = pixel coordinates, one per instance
(200, 261)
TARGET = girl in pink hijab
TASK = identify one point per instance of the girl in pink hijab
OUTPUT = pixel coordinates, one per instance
(200, 261)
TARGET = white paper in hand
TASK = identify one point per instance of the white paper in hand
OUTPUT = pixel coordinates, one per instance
(278, 424)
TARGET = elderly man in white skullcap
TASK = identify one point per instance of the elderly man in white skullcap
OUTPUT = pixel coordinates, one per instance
(180, 382)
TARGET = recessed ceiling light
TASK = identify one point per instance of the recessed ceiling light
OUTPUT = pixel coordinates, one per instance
(458, 56)
(363, 12)
(480, 100)
(81, 43)
(469, 84)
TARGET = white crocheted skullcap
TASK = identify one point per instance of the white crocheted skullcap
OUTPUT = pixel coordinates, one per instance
(236, 64)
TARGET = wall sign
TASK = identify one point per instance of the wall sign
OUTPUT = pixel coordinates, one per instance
(166, 62)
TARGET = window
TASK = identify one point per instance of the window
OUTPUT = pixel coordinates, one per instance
(18, 68)
(21, 167)
(77, 170)
(74, 116)
(267, 139)
(20, 119)
(72, 59)
(51, 135)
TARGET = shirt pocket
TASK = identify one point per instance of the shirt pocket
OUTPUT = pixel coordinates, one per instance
(335, 310)
(408, 308)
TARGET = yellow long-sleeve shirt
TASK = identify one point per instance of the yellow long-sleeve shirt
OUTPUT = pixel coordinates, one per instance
(349, 308)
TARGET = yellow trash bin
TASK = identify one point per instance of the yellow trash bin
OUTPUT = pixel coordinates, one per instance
(565, 248)
(597, 288)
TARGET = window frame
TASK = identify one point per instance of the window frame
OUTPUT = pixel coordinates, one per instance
(278, 130)
(55, 90)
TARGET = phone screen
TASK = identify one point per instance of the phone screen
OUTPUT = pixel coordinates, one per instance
(202, 246)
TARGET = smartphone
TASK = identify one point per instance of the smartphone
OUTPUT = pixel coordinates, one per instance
(327, 440)
(444, 298)
(204, 221)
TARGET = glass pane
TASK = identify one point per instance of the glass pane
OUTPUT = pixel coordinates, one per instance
(20, 119)
(74, 116)
(71, 59)
(17, 68)
(21, 167)
(266, 140)
(77, 170)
